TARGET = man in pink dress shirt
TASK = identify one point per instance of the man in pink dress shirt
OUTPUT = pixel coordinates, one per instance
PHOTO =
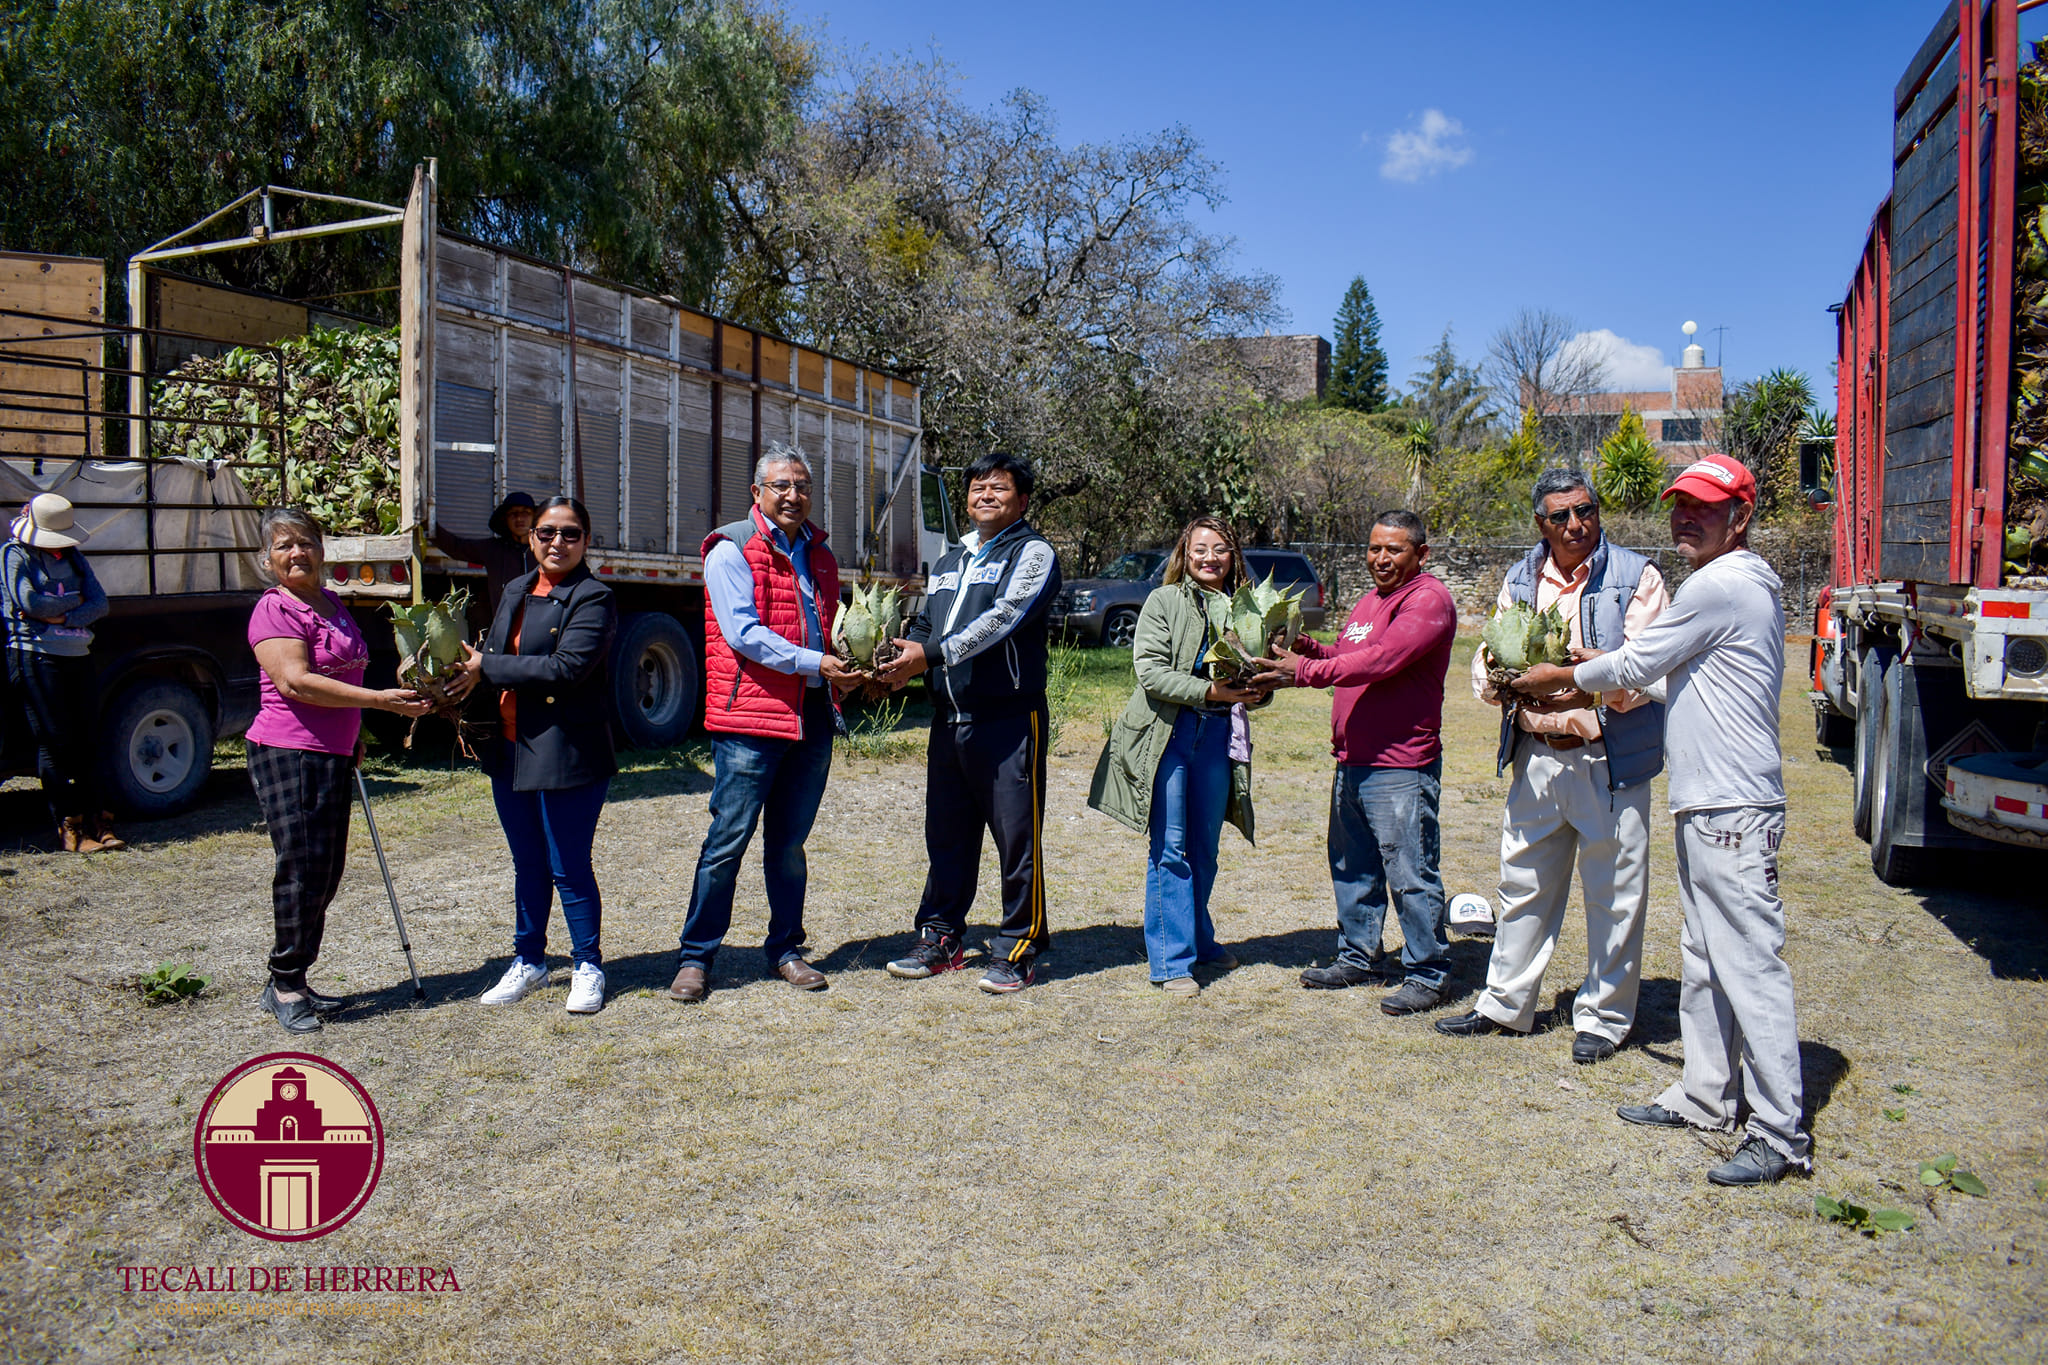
(1581, 788)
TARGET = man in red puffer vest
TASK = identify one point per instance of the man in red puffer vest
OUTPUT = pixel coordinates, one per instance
(771, 589)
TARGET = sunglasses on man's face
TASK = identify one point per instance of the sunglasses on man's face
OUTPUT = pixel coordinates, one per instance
(1585, 511)
(569, 534)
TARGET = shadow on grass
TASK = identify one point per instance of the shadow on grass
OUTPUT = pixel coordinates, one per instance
(2008, 931)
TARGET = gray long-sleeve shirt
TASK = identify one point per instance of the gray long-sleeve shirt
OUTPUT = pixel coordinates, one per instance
(1721, 647)
(39, 584)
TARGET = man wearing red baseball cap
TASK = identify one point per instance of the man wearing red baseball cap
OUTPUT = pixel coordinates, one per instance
(1720, 648)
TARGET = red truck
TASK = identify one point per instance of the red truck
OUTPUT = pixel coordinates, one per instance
(1931, 648)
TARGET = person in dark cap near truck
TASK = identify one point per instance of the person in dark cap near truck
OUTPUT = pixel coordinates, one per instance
(505, 553)
(1720, 648)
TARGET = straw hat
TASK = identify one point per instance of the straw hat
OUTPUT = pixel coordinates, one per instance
(46, 523)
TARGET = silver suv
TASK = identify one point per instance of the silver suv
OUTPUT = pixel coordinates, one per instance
(1104, 609)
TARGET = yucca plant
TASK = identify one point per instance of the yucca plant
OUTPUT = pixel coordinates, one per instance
(1631, 470)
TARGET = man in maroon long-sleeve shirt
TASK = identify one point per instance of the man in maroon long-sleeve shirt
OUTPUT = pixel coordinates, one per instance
(1386, 726)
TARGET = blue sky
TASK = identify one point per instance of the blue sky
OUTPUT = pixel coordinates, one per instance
(1630, 165)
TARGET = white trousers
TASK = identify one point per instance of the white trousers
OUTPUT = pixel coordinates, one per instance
(1559, 810)
(1735, 991)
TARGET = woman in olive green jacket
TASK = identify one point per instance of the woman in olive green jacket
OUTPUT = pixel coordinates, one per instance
(1178, 761)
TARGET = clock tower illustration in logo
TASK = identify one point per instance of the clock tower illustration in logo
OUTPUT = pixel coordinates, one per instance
(288, 1146)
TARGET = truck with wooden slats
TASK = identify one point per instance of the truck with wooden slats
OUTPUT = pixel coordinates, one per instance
(1931, 648)
(516, 374)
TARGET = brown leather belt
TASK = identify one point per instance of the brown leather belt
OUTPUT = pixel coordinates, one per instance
(1559, 741)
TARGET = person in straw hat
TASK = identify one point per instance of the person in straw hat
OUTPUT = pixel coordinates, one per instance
(49, 600)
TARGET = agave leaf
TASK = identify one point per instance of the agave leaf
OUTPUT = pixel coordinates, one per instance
(1506, 638)
(404, 631)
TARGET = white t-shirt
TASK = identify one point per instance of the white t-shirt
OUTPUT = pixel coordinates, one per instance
(1721, 647)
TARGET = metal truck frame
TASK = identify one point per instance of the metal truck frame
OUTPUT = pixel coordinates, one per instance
(521, 374)
(1925, 659)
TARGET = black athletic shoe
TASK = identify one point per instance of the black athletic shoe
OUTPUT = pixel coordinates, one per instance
(933, 953)
(1005, 977)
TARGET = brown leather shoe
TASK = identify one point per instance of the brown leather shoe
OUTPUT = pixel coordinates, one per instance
(75, 836)
(690, 985)
(103, 830)
(801, 975)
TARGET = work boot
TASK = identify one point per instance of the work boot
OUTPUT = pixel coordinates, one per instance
(74, 837)
(103, 830)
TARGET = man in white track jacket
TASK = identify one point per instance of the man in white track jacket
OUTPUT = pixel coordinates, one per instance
(1721, 648)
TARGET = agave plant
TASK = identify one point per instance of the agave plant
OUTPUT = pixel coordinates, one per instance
(867, 625)
(1518, 638)
(430, 640)
(1257, 616)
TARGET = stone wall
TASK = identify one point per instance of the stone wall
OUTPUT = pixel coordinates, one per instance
(1473, 572)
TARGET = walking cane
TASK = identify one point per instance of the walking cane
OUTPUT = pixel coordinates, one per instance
(419, 989)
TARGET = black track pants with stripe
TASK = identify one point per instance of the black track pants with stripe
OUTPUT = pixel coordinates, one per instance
(986, 774)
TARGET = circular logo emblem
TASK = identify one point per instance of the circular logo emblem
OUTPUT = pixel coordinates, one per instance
(288, 1146)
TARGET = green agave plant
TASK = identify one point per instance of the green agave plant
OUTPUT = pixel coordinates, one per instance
(1256, 616)
(866, 625)
(1518, 638)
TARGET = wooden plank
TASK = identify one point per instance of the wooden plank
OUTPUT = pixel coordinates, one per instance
(600, 312)
(775, 362)
(1934, 235)
(61, 392)
(225, 315)
(468, 275)
(651, 321)
(810, 372)
(1934, 160)
(1930, 286)
(1910, 485)
(1922, 561)
(466, 353)
(1923, 403)
(1933, 320)
(534, 294)
(739, 351)
(845, 383)
(1929, 104)
(1931, 358)
(1931, 49)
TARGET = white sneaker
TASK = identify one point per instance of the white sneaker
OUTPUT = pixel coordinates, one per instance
(586, 990)
(519, 978)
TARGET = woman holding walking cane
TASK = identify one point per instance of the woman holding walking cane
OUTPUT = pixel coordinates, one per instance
(303, 750)
(1178, 761)
(550, 758)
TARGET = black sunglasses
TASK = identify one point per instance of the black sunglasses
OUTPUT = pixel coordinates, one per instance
(1585, 511)
(569, 534)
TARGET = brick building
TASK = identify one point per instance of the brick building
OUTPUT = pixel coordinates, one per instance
(1285, 369)
(1684, 422)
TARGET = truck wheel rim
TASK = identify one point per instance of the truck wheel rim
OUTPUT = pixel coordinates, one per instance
(658, 683)
(162, 751)
(1123, 630)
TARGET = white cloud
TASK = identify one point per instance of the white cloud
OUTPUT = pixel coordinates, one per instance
(1436, 143)
(1630, 367)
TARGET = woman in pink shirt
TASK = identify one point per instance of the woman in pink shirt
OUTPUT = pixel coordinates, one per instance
(303, 749)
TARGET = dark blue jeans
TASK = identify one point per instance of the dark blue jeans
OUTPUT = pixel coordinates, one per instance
(550, 834)
(778, 784)
(1384, 843)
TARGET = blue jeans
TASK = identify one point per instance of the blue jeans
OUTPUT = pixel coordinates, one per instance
(778, 784)
(1189, 796)
(550, 834)
(1384, 843)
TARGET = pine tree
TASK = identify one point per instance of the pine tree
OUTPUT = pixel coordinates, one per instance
(1358, 367)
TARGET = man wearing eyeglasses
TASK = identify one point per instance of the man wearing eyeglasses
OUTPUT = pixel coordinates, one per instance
(771, 589)
(1581, 787)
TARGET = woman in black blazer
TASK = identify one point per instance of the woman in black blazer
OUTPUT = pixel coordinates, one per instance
(550, 752)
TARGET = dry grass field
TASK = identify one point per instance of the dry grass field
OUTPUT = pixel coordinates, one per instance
(911, 1171)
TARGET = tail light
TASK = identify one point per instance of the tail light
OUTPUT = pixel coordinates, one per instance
(398, 572)
(1319, 594)
(342, 573)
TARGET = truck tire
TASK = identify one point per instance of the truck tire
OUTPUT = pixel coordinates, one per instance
(1832, 731)
(1870, 677)
(1120, 631)
(157, 748)
(656, 681)
(1901, 762)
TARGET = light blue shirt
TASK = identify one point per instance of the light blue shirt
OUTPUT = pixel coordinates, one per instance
(729, 580)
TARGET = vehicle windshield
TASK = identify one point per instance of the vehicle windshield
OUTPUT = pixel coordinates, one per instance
(1133, 568)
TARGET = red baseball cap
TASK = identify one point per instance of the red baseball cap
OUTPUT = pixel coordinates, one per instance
(1715, 478)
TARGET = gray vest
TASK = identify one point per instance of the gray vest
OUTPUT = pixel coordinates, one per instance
(1634, 738)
